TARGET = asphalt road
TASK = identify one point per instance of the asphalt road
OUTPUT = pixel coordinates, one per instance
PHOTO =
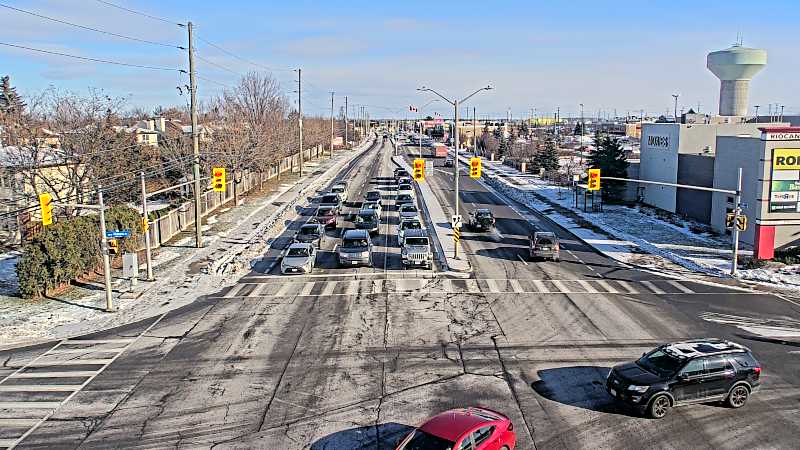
(351, 358)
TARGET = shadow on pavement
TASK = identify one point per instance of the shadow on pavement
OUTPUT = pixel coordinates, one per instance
(385, 436)
(581, 387)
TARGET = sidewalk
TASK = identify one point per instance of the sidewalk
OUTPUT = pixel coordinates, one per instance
(440, 223)
(233, 237)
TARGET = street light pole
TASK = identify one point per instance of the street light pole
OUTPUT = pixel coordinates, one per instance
(456, 168)
(675, 96)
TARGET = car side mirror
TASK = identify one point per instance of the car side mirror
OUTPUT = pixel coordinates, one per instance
(683, 376)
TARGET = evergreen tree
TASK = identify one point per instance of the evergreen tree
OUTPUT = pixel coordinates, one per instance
(609, 157)
(547, 157)
(10, 102)
(578, 129)
(503, 150)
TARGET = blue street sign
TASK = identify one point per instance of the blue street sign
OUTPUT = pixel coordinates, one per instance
(112, 234)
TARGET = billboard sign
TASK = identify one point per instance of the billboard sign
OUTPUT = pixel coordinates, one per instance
(784, 195)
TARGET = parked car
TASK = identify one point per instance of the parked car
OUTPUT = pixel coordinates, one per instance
(355, 249)
(326, 216)
(368, 219)
(448, 162)
(461, 429)
(373, 206)
(310, 233)
(544, 245)
(415, 249)
(341, 189)
(412, 223)
(331, 199)
(373, 196)
(404, 199)
(299, 257)
(408, 210)
(481, 219)
(682, 373)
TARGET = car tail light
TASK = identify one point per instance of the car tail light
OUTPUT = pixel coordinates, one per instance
(757, 370)
(510, 427)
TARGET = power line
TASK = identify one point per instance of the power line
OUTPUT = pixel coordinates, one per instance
(212, 81)
(149, 16)
(118, 63)
(219, 66)
(144, 41)
(233, 55)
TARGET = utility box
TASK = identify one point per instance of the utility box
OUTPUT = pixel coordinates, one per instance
(130, 265)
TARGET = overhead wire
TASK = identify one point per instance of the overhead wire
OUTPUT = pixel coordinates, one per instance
(149, 16)
(122, 36)
(233, 55)
(84, 58)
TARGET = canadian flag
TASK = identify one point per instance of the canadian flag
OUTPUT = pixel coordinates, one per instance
(412, 108)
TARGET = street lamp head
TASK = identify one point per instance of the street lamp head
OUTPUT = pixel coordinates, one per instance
(423, 88)
(488, 87)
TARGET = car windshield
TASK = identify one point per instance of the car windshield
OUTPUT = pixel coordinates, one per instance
(483, 215)
(544, 241)
(660, 363)
(297, 251)
(337, 189)
(309, 231)
(325, 212)
(373, 195)
(417, 241)
(408, 208)
(354, 243)
(368, 217)
(330, 199)
(424, 441)
(404, 197)
(410, 225)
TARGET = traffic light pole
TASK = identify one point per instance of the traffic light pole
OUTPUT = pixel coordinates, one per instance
(735, 232)
(146, 229)
(198, 226)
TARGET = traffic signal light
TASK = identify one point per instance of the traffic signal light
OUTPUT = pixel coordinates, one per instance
(218, 179)
(113, 246)
(475, 167)
(594, 180)
(46, 204)
(419, 169)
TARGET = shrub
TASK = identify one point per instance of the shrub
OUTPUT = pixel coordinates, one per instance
(70, 249)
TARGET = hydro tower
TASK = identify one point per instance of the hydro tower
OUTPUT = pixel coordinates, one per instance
(735, 67)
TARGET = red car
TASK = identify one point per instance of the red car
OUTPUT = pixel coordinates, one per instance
(326, 215)
(463, 429)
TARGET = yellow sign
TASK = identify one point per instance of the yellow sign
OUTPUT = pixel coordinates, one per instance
(786, 159)
(475, 167)
(419, 169)
(594, 180)
(46, 204)
(218, 182)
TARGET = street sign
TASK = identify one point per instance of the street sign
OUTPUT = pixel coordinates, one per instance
(475, 167)
(741, 221)
(419, 169)
(428, 167)
(114, 234)
(594, 180)
(218, 182)
(455, 221)
(456, 235)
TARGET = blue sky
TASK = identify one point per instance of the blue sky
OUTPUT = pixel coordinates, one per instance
(623, 55)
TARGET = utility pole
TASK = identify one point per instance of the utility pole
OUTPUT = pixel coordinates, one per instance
(346, 125)
(474, 131)
(757, 106)
(104, 250)
(675, 96)
(300, 117)
(148, 251)
(331, 155)
(198, 225)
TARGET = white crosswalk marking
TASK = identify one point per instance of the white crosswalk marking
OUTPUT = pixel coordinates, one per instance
(515, 286)
(71, 362)
(234, 291)
(283, 290)
(259, 290)
(652, 287)
(606, 287)
(680, 287)
(40, 388)
(330, 286)
(540, 286)
(472, 286)
(377, 286)
(352, 287)
(307, 288)
(492, 285)
(588, 287)
(625, 285)
(560, 287)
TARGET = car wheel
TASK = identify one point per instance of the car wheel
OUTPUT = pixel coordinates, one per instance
(738, 396)
(658, 407)
(505, 447)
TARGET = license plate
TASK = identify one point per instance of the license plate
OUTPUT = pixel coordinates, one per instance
(613, 392)
(355, 263)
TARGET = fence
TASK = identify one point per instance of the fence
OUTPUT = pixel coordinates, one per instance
(181, 218)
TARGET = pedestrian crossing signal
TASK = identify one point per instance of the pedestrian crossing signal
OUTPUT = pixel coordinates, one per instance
(419, 169)
(594, 180)
(740, 222)
(113, 246)
(475, 167)
(218, 179)
(46, 204)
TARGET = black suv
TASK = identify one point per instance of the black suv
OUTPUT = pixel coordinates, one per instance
(686, 372)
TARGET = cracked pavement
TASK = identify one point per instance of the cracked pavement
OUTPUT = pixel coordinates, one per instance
(357, 369)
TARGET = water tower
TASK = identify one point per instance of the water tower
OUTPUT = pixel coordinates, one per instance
(735, 67)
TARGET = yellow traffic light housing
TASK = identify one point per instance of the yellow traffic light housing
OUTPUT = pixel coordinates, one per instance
(475, 167)
(46, 204)
(593, 184)
(113, 246)
(218, 182)
(419, 169)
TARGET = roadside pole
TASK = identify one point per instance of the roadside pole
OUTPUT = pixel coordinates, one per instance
(104, 251)
(198, 226)
(735, 232)
(346, 124)
(456, 170)
(146, 229)
(300, 115)
(331, 153)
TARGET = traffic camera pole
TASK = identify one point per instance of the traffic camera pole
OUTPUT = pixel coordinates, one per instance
(104, 251)
(146, 229)
(735, 233)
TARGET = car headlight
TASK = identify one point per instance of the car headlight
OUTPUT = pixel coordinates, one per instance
(365, 254)
(638, 389)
